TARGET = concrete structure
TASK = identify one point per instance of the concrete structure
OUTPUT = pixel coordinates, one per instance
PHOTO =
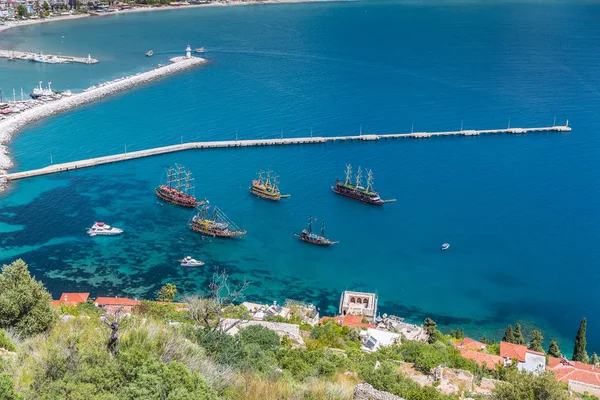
(291, 331)
(306, 311)
(376, 339)
(528, 360)
(396, 324)
(359, 303)
(351, 321)
(261, 311)
(201, 145)
(22, 55)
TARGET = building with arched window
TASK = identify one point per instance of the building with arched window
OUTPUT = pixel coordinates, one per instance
(359, 303)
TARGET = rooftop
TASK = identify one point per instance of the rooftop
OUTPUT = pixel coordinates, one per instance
(71, 299)
(516, 351)
(115, 301)
(490, 361)
(348, 320)
(565, 371)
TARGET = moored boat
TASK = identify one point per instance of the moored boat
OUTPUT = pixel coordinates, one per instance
(188, 261)
(150, 53)
(214, 223)
(199, 50)
(102, 229)
(445, 246)
(266, 189)
(307, 235)
(356, 191)
(178, 190)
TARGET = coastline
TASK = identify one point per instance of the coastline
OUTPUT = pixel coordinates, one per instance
(18, 24)
(11, 125)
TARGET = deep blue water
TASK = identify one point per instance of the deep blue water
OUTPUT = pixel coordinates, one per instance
(521, 212)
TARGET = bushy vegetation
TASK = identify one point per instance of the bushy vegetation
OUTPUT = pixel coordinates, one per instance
(167, 351)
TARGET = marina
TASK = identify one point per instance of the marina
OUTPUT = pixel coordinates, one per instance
(45, 58)
(92, 162)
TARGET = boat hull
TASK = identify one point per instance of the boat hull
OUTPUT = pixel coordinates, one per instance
(306, 239)
(210, 230)
(177, 199)
(265, 195)
(357, 195)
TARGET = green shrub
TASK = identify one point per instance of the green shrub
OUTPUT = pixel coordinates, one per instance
(5, 341)
(265, 338)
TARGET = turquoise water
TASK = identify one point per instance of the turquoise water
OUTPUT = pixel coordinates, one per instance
(521, 212)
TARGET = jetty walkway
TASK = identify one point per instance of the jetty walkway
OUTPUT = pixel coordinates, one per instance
(92, 162)
(46, 58)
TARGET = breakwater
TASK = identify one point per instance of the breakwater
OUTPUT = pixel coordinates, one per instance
(45, 58)
(14, 123)
(92, 162)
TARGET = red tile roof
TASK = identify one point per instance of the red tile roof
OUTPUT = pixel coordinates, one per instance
(115, 301)
(349, 320)
(491, 361)
(470, 344)
(513, 351)
(565, 371)
(71, 299)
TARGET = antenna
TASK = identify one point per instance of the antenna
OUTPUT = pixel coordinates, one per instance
(125, 148)
(461, 126)
(310, 132)
(412, 127)
(508, 122)
(236, 135)
(282, 134)
(360, 132)
(554, 123)
(51, 158)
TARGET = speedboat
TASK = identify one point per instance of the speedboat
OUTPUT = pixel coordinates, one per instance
(149, 54)
(102, 229)
(445, 246)
(190, 262)
(200, 50)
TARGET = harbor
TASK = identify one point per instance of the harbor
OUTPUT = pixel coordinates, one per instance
(13, 55)
(92, 162)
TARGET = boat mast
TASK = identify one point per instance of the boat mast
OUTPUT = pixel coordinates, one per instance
(310, 224)
(274, 187)
(323, 228)
(348, 174)
(188, 184)
(260, 177)
(358, 177)
(170, 176)
(369, 180)
(268, 181)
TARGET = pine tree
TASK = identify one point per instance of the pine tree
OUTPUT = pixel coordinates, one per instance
(167, 292)
(535, 343)
(508, 337)
(595, 360)
(553, 350)
(579, 353)
(518, 335)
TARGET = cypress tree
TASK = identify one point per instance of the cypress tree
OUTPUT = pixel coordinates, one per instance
(579, 353)
(508, 337)
(595, 360)
(553, 350)
(535, 343)
(518, 335)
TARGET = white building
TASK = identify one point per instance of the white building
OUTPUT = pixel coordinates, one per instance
(376, 339)
(359, 303)
(527, 360)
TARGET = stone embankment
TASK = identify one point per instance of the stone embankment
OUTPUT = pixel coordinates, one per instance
(13, 124)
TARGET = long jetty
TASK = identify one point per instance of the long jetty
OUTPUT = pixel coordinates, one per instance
(92, 162)
(47, 58)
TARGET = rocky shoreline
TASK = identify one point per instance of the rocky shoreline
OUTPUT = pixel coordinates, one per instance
(11, 125)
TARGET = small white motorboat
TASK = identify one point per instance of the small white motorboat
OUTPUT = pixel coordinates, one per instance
(445, 246)
(190, 262)
(102, 229)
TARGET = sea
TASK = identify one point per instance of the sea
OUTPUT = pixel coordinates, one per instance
(521, 212)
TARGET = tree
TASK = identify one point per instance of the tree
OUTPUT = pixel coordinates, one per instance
(113, 323)
(24, 302)
(595, 360)
(46, 6)
(535, 343)
(518, 335)
(430, 327)
(22, 11)
(553, 350)
(208, 311)
(524, 385)
(265, 338)
(509, 336)
(457, 334)
(167, 292)
(579, 353)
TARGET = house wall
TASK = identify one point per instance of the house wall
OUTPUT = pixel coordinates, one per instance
(535, 363)
(579, 387)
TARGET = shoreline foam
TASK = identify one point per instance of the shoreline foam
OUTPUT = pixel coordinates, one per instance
(11, 125)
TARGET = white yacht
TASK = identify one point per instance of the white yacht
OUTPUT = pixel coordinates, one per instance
(445, 246)
(190, 262)
(102, 229)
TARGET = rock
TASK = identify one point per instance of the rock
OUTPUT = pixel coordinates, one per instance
(364, 391)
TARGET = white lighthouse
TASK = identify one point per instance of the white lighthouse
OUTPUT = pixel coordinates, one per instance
(188, 52)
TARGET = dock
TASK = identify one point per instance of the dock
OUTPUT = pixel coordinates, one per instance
(92, 162)
(45, 58)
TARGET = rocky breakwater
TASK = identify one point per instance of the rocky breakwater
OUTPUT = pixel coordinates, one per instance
(9, 126)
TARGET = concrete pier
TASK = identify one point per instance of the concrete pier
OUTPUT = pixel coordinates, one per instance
(51, 169)
(50, 58)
